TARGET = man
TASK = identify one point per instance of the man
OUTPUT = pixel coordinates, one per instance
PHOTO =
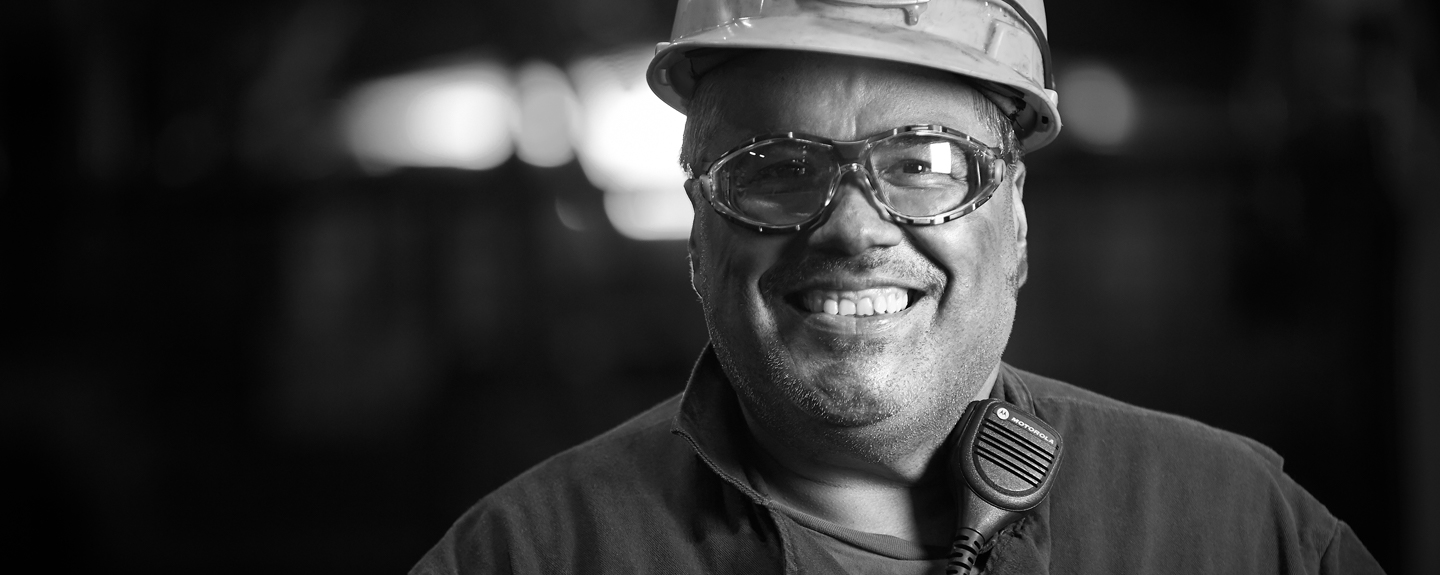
(858, 245)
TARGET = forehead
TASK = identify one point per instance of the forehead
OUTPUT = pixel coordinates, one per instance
(837, 97)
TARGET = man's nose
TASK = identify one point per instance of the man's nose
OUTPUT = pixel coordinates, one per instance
(856, 223)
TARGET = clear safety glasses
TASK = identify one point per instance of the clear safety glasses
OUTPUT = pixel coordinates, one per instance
(920, 175)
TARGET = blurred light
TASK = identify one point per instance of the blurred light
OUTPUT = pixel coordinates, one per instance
(650, 215)
(629, 147)
(1098, 106)
(456, 117)
(548, 114)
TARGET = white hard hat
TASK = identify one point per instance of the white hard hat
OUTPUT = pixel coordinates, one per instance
(1000, 43)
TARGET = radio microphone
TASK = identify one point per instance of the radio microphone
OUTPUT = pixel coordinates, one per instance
(1002, 466)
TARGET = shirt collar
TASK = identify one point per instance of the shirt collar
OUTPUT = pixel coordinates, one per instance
(1010, 387)
(710, 419)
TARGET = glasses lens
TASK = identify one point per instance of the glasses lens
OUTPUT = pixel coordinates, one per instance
(778, 182)
(925, 175)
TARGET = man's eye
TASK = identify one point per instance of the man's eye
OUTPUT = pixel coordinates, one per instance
(784, 170)
(913, 167)
(908, 168)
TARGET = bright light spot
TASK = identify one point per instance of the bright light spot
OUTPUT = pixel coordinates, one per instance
(1098, 105)
(650, 215)
(548, 116)
(628, 146)
(456, 117)
(940, 157)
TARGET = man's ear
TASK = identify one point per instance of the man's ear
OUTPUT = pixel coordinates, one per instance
(697, 204)
(1022, 226)
(692, 191)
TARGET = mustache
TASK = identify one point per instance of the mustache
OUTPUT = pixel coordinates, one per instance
(894, 262)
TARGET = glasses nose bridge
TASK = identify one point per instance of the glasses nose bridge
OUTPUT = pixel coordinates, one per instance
(860, 173)
(864, 181)
(850, 152)
(851, 159)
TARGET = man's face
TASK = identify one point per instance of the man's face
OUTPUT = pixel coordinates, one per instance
(765, 295)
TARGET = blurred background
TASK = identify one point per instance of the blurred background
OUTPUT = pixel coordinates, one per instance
(285, 286)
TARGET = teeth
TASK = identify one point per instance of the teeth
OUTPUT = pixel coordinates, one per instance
(860, 303)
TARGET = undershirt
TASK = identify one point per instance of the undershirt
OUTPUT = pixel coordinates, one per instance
(863, 553)
(871, 554)
(868, 553)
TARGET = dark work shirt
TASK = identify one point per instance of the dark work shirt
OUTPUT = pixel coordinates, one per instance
(666, 492)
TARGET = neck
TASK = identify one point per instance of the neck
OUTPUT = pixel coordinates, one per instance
(889, 482)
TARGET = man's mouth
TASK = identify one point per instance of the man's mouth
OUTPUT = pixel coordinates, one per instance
(865, 302)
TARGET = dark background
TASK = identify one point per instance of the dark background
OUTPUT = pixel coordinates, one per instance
(229, 350)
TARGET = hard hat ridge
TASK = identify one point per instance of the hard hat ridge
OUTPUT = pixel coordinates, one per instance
(998, 44)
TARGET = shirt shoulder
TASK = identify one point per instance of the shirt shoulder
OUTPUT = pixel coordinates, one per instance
(1081, 406)
(634, 500)
(1160, 491)
(535, 522)
(628, 454)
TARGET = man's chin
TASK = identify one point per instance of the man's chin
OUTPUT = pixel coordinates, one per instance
(846, 402)
(849, 417)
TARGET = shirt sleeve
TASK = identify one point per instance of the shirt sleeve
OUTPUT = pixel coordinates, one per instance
(1347, 556)
(482, 541)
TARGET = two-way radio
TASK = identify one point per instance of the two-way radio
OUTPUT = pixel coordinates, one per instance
(1002, 466)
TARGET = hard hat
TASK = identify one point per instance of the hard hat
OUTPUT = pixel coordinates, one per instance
(1000, 44)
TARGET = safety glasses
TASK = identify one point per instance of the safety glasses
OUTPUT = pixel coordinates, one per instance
(920, 175)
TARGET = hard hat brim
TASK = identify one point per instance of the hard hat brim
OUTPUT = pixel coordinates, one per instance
(672, 79)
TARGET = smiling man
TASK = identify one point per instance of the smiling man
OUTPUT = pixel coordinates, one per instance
(854, 343)
(859, 241)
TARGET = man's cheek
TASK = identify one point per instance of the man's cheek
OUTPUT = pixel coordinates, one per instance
(738, 262)
(720, 279)
(969, 251)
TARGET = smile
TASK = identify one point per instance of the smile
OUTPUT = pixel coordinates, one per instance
(864, 302)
